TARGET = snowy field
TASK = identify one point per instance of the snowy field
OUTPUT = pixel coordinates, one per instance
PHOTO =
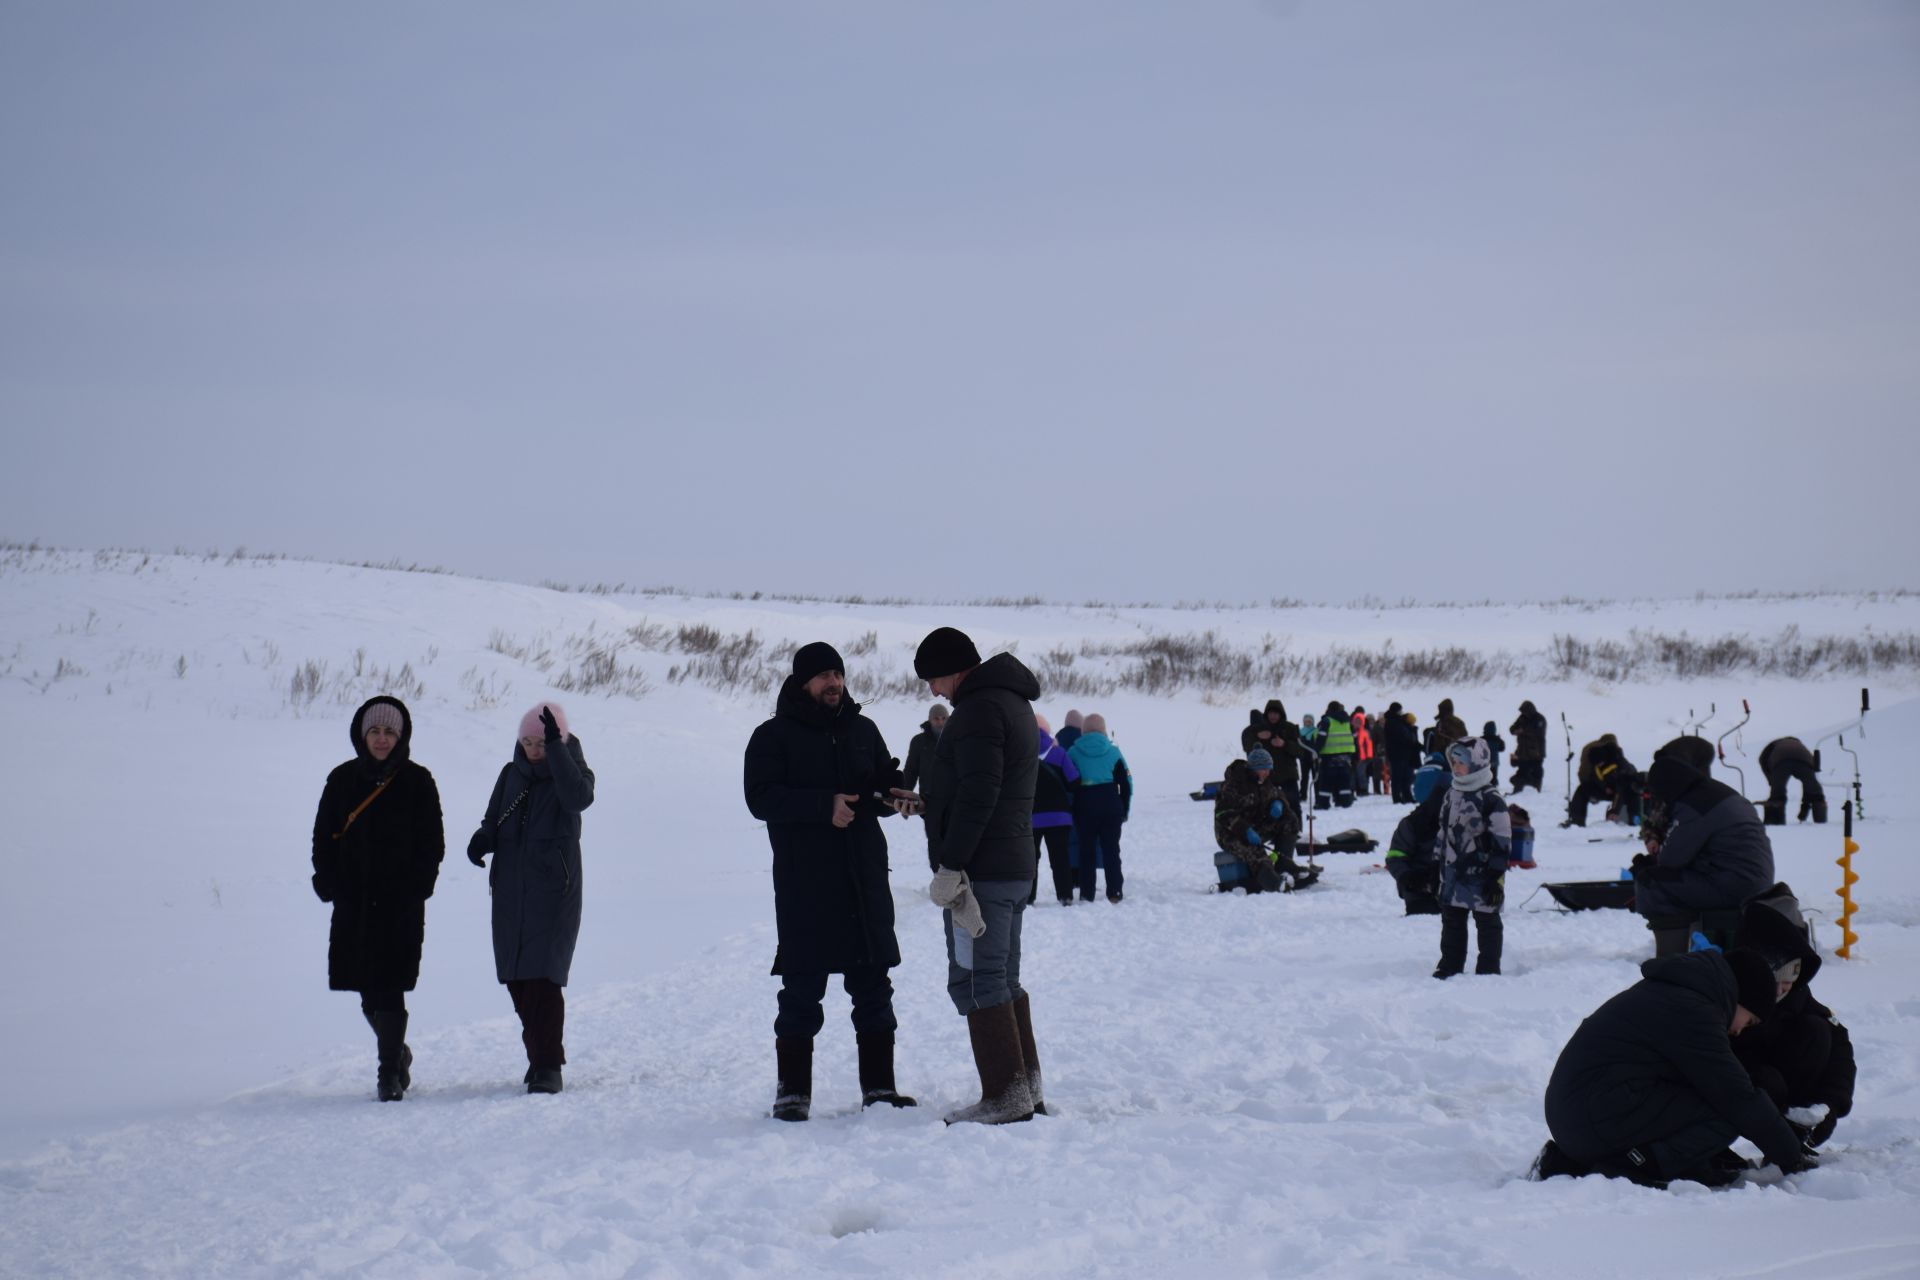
(1241, 1086)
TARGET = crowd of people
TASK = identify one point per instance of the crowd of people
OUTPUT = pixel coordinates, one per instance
(1720, 1039)
(1717, 1041)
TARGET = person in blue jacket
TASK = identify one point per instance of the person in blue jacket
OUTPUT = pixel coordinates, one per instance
(1100, 805)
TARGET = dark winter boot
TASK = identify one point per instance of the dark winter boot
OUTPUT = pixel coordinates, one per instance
(1267, 876)
(1672, 935)
(396, 1060)
(793, 1094)
(543, 1080)
(1453, 942)
(1819, 810)
(1552, 1162)
(876, 1070)
(1005, 1096)
(1774, 813)
(1490, 934)
(1023, 1020)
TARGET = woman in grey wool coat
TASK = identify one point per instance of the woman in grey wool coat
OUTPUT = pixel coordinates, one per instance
(532, 828)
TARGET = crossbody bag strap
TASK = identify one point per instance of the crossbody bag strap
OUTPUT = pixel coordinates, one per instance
(362, 808)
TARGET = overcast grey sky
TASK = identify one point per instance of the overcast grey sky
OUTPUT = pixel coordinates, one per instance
(1122, 300)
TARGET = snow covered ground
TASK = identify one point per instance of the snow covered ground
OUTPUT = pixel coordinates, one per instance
(1243, 1086)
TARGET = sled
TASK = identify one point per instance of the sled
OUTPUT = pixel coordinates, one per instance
(1350, 841)
(1207, 791)
(1593, 895)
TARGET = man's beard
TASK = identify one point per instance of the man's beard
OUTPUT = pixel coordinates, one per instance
(830, 698)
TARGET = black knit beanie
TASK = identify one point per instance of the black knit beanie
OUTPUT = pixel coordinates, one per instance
(945, 652)
(1755, 977)
(812, 659)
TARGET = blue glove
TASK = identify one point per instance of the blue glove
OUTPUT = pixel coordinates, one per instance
(1276, 809)
(1253, 837)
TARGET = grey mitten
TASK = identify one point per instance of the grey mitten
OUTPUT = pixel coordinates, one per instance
(951, 890)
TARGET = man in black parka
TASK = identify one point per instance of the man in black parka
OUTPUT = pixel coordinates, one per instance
(1706, 850)
(979, 791)
(819, 775)
(1648, 1088)
(1401, 741)
(377, 844)
(921, 747)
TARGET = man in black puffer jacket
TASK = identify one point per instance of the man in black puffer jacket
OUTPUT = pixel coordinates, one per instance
(979, 790)
(1706, 850)
(1648, 1088)
(818, 774)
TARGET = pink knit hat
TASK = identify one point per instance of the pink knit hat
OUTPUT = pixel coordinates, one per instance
(530, 726)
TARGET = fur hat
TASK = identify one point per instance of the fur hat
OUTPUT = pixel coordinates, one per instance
(1075, 719)
(1095, 723)
(1259, 758)
(530, 726)
(809, 660)
(1755, 979)
(938, 711)
(1045, 727)
(945, 652)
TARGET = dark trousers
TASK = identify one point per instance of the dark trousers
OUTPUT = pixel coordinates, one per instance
(1053, 842)
(1097, 820)
(542, 1006)
(383, 1002)
(802, 1015)
(1627, 797)
(1403, 767)
(1528, 773)
(1790, 1067)
(1488, 931)
(1813, 797)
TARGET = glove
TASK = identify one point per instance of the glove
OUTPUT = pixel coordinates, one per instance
(1277, 809)
(1800, 1161)
(1253, 837)
(1642, 864)
(477, 849)
(1824, 1130)
(552, 725)
(951, 890)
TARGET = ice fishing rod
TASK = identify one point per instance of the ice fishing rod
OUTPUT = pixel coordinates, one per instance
(1840, 734)
(1721, 751)
(1712, 710)
(1569, 732)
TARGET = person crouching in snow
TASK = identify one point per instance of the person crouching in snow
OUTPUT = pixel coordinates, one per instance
(1250, 813)
(532, 827)
(1475, 840)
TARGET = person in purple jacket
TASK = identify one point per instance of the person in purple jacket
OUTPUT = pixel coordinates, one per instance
(1053, 814)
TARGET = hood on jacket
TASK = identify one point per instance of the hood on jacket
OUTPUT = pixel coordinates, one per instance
(1001, 671)
(1697, 752)
(1772, 923)
(1671, 778)
(1394, 709)
(1097, 744)
(400, 752)
(796, 703)
(1275, 707)
(1705, 972)
(1527, 708)
(1446, 706)
(1490, 731)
